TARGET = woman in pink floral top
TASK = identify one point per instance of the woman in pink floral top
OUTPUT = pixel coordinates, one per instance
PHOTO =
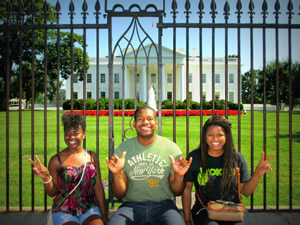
(86, 205)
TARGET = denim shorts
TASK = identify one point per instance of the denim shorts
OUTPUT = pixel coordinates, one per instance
(61, 218)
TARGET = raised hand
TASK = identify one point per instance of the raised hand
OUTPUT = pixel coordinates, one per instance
(180, 166)
(264, 166)
(116, 164)
(38, 168)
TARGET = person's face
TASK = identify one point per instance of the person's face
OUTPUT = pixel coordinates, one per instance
(216, 139)
(73, 137)
(145, 123)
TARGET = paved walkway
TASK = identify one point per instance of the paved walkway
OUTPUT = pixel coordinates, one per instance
(257, 218)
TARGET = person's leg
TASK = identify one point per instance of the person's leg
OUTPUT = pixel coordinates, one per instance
(129, 214)
(200, 217)
(165, 213)
(91, 217)
(63, 218)
(245, 221)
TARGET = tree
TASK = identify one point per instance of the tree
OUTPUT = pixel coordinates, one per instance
(39, 52)
(283, 68)
(246, 88)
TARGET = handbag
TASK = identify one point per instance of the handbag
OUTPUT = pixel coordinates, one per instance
(49, 216)
(223, 210)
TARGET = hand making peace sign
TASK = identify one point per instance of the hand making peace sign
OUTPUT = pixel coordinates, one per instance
(38, 168)
(264, 166)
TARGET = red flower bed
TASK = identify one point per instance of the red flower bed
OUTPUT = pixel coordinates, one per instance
(164, 112)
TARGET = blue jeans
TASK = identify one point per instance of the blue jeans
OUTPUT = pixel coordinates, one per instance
(147, 212)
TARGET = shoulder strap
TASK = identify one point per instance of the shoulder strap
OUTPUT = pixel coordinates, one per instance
(200, 200)
(92, 159)
(239, 183)
(58, 158)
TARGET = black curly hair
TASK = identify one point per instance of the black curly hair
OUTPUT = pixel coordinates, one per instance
(73, 120)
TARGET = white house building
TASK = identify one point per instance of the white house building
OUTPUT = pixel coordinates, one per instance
(167, 77)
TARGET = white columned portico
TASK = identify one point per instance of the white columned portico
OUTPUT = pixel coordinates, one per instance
(125, 82)
(144, 84)
(182, 82)
(163, 82)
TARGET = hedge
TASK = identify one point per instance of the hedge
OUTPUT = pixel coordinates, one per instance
(91, 104)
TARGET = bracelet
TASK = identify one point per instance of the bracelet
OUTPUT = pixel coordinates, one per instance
(47, 182)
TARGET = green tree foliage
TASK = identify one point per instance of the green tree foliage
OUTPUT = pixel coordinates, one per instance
(246, 88)
(271, 71)
(45, 44)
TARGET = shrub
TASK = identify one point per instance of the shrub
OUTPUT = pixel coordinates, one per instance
(129, 103)
(140, 103)
(90, 104)
(179, 105)
(167, 104)
(194, 105)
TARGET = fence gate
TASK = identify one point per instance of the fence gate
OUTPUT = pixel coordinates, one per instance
(39, 51)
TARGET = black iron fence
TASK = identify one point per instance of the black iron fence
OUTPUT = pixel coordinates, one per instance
(37, 47)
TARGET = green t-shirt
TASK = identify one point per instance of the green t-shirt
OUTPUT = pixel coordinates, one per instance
(148, 168)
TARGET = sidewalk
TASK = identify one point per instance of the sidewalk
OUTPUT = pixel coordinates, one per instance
(256, 218)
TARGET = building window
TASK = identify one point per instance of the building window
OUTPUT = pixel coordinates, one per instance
(190, 78)
(89, 94)
(169, 95)
(117, 95)
(75, 95)
(75, 78)
(169, 78)
(116, 78)
(217, 78)
(231, 78)
(204, 78)
(190, 95)
(231, 96)
(204, 96)
(153, 78)
(138, 95)
(102, 78)
(102, 94)
(89, 78)
(138, 78)
(217, 97)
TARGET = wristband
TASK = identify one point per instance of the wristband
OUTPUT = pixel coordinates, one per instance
(47, 182)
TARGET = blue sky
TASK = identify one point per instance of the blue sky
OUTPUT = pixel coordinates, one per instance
(119, 25)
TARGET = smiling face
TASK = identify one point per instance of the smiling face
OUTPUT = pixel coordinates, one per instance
(145, 124)
(73, 137)
(215, 139)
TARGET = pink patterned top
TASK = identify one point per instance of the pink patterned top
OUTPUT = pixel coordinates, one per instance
(84, 197)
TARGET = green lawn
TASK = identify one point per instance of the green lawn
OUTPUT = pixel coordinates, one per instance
(167, 130)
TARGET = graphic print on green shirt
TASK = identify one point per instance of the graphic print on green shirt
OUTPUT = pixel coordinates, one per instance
(148, 169)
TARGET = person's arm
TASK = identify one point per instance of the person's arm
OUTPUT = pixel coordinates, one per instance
(263, 167)
(120, 180)
(49, 176)
(176, 180)
(99, 190)
(186, 202)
